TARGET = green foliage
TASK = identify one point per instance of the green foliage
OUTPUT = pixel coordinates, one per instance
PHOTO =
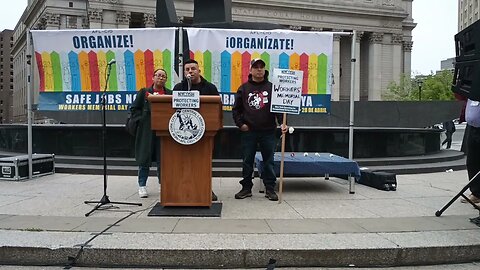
(401, 91)
(433, 87)
(438, 86)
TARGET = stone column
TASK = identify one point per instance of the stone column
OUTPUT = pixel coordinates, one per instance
(407, 57)
(357, 67)
(375, 67)
(149, 20)
(95, 18)
(397, 70)
(123, 19)
(336, 68)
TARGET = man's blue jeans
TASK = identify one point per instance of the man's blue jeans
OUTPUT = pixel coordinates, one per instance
(143, 174)
(266, 142)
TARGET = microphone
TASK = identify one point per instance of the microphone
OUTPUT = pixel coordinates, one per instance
(113, 61)
(189, 81)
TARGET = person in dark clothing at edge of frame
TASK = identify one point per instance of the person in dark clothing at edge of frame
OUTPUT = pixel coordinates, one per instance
(449, 128)
(147, 144)
(192, 71)
(251, 113)
(472, 117)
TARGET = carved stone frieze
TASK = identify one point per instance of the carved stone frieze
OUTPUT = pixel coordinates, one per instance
(286, 15)
(407, 46)
(392, 24)
(41, 24)
(376, 37)
(85, 23)
(295, 27)
(397, 38)
(108, 1)
(49, 20)
(316, 29)
(123, 17)
(388, 3)
(149, 19)
(95, 15)
(360, 35)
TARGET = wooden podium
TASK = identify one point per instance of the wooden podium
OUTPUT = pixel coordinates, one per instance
(186, 170)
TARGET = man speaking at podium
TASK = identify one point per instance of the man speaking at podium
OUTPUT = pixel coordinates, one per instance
(194, 81)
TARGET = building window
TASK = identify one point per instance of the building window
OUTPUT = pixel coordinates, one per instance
(136, 20)
(70, 4)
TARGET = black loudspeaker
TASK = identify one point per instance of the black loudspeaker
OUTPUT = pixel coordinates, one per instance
(166, 14)
(212, 11)
(466, 79)
(467, 43)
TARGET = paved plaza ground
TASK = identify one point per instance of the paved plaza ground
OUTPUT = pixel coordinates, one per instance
(317, 216)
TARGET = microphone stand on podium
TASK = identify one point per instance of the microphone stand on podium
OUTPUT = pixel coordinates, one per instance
(105, 200)
(189, 82)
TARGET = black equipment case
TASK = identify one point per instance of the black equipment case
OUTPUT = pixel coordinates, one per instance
(16, 168)
(378, 179)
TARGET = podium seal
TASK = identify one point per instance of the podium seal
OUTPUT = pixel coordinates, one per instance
(186, 126)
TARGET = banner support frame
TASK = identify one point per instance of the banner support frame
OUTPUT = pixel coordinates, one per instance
(29, 54)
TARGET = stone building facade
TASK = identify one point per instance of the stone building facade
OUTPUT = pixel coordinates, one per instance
(383, 45)
(467, 13)
(6, 76)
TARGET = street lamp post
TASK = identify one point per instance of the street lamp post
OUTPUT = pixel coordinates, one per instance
(419, 83)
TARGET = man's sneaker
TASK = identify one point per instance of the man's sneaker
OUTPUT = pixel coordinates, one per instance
(244, 193)
(214, 197)
(142, 192)
(271, 195)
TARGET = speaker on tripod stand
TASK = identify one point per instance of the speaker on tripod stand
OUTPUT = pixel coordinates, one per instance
(466, 79)
(105, 201)
(466, 82)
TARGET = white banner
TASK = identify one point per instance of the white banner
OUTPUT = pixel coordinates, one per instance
(224, 57)
(72, 63)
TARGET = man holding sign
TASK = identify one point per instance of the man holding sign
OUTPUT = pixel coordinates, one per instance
(251, 113)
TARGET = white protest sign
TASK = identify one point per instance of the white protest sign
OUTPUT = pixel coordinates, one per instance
(286, 91)
(186, 99)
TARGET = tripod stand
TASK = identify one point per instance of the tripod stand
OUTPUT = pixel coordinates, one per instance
(439, 212)
(105, 200)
